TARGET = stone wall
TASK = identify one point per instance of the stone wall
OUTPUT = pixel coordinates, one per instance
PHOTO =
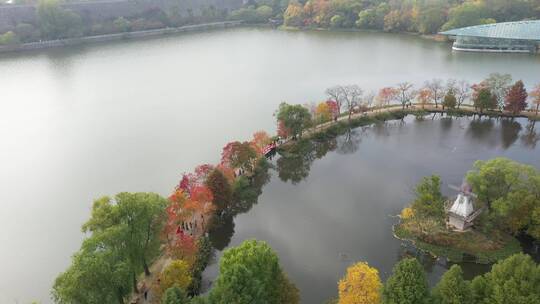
(96, 11)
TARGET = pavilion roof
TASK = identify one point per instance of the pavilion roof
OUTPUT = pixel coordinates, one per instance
(523, 30)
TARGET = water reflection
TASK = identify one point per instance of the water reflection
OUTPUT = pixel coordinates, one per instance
(354, 183)
(243, 200)
(510, 131)
(446, 124)
(350, 141)
(480, 130)
(529, 138)
(294, 164)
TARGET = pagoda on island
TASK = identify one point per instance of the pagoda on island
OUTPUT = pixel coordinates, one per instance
(462, 213)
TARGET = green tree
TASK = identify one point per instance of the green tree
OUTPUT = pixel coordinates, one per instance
(26, 32)
(250, 273)
(513, 280)
(221, 189)
(407, 284)
(99, 273)
(138, 216)
(450, 100)
(431, 17)
(264, 12)
(337, 21)
(295, 118)
(8, 38)
(452, 288)
(483, 99)
(121, 24)
(429, 200)
(55, 22)
(511, 190)
(496, 178)
(466, 14)
(174, 295)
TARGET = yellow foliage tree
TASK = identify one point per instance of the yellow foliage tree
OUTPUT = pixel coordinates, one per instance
(323, 112)
(361, 285)
(294, 15)
(407, 213)
(177, 273)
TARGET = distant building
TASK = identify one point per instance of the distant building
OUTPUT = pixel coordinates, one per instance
(506, 37)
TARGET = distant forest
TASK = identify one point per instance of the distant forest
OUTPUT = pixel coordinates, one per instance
(421, 16)
(416, 16)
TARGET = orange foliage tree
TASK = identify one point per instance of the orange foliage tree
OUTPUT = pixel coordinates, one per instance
(386, 95)
(259, 141)
(424, 96)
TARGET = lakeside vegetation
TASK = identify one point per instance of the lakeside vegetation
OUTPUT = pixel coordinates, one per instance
(424, 17)
(53, 22)
(170, 240)
(513, 280)
(509, 194)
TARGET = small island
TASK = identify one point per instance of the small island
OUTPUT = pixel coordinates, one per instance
(481, 223)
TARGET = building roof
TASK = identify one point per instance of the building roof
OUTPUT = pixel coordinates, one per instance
(525, 30)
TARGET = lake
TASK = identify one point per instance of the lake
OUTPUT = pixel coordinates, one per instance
(81, 122)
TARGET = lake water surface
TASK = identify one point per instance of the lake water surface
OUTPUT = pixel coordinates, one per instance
(337, 205)
(82, 122)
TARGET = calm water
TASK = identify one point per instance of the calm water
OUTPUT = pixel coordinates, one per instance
(82, 122)
(335, 206)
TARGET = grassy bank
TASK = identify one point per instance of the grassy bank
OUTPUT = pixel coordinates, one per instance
(469, 246)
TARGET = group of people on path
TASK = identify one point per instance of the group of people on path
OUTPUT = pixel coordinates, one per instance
(190, 227)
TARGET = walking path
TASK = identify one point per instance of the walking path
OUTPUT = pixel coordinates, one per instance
(413, 107)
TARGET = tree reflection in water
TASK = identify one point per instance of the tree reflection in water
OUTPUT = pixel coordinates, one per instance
(295, 163)
(480, 130)
(530, 137)
(350, 142)
(509, 132)
(246, 194)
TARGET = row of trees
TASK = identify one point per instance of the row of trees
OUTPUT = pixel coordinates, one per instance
(127, 232)
(54, 21)
(426, 17)
(513, 280)
(496, 92)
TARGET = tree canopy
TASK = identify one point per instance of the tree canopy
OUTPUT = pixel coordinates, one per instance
(250, 273)
(452, 288)
(512, 192)
(295, 118)
(124, 238)
(429, 200)
(361, 285)
(407, 284)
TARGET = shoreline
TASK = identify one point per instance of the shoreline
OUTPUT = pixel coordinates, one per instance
(94, 39)
(30, 46)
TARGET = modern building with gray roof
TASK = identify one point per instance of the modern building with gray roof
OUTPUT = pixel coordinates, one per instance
(511, 37)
